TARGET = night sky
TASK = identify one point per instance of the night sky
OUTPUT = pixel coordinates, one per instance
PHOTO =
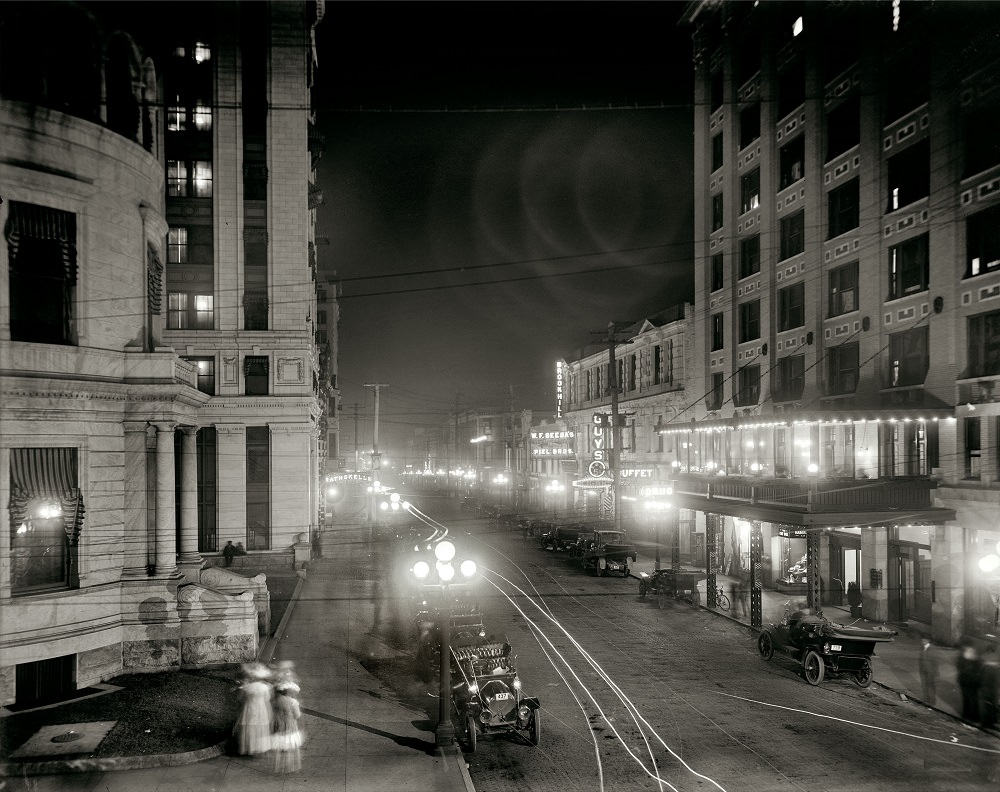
(481, 222)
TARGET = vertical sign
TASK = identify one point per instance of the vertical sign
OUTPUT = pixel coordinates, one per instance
(559, 388)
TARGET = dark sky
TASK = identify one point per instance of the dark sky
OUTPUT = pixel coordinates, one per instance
(482, 223)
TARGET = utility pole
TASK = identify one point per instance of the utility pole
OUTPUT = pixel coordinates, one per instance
(615, 428)
(376, 457)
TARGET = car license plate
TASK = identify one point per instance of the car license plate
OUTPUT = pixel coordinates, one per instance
(503, 696)
(836, 648)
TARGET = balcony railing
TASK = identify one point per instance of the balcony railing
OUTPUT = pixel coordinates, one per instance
(813, 496)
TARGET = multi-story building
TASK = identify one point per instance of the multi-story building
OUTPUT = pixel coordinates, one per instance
(847, 300)
(158, 356)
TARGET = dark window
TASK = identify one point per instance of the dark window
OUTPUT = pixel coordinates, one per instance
(255, 309)
(844, 289)
(258, 488)
(791, 307)
(908, 357)
(190, 311)
(717, 214)
(981, 143)
(843, 208)
(973, 448)
(750, 191)
(791, 88)
(255, 371)
(749, 256)
(718, 83)
(749, 321)
(907, 83)
(983, 345)
(747, 56)
(793, 235)
(718, 335)
(841, 43)
(843, 127)
(790, 378)
(208, 532)
(909, 175)
(717, 152)
(718, 272)
(657, 364)
(748, 387)
(714, 399)
(908, 267)
(792, 162)
(842, 369)
(749, 125)
(41, 250)
(46, 513)
(982, 242)
(206, 373)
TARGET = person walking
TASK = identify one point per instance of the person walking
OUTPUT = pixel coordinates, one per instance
(969, 667)
(988, 688)
(253, 725)
(743, 594)
(229, 552)
(928, 665)
(287, 738)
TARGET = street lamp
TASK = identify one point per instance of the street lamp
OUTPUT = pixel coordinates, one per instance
(444, 577)
(554, 489)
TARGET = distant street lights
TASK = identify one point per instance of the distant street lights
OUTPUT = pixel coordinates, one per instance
(444, 578)
(553, 491)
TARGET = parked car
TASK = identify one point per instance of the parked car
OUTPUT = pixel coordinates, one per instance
(823, 647)
(604, 551)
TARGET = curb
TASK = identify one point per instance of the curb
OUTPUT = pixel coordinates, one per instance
(104, 764)
(266, 651)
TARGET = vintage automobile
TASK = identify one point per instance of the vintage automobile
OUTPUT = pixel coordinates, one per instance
(665, 584)
(824, 647)
(486, 694)
(603, 552)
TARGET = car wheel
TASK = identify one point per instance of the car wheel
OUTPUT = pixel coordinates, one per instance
(642, 589)
(863, 677)
(470, 722)
(536, 728)
(765, 645)
(814, 667)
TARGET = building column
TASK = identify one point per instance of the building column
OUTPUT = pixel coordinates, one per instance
(166, 533)
(189, 560)
(756, 569)
(135, 560)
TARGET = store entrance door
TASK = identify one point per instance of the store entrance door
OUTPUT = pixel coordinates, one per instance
(900, 583)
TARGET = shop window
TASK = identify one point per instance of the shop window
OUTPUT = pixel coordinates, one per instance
(717, 212)
(909, 268)
(749, 321)
(258, 492)
(750, 191)
(789, 378)
(793, 235)
(190, 311)
(718, 272)
(749, 256)
(842, 206)
(255, 374)
(791, 158)
(908, 357)
(46, 513)
(844, 289)
(909, 174)
(842, 369)
(983, 344)
(41, 254)
(843, 127)
(749, 125)
(718, 336)
(791, 307)
(715, 396)
(747, 387)
(206, 373)
(982, 242)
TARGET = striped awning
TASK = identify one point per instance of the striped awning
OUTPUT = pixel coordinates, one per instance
(30, 221)
(44, 472)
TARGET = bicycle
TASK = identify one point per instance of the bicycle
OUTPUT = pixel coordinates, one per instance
(721, 600)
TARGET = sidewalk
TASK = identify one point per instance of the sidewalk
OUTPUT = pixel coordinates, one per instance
(359, 736)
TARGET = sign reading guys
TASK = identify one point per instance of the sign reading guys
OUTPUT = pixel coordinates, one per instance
(601, 442)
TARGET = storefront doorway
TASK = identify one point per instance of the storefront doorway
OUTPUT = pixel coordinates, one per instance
(845, 566)
(909, 582)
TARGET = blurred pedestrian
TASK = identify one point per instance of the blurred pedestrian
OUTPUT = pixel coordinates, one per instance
(969, 666)
(743, 594)
(988, 688)
(240, 549)
(928, 664)
(229, 552)
(317, 543)
(287, 739)
(253, 724)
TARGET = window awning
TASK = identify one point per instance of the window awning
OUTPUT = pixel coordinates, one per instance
(44, 472)
(886, 414)
(45, 223)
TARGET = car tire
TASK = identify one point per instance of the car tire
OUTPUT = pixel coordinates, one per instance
(470, 723)
(863, 677)
(765, 645)
(536, 728)
(814, 667)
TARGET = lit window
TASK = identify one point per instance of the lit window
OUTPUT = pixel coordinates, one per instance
(204, 311)
(176, 119)
(202, 118)
(176, 178)
(797, 27)
(202, 52)
(177, 246)
(203, 179)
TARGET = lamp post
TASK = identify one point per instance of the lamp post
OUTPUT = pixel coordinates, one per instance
(441, 577)
(554, 489)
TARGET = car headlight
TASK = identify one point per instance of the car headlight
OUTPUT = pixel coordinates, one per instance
(473, 688)
(826, 647)
(517, 683)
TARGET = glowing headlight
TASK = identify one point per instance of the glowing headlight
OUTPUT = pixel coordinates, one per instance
(473, 688)
(517, 683)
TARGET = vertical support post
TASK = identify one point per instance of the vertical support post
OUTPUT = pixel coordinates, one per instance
(614, 456)
(166, 536)
(711, 556)
(812, 569)
(444, 735)
(756, 574)
(673, 517)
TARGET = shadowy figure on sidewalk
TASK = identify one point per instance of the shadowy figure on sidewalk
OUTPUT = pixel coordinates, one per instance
(928, 665)
(988, 688)
(969, 667)
(253, 725)
(287, 738)
(229, 552)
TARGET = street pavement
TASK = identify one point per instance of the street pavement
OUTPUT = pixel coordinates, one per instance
(360, 736)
